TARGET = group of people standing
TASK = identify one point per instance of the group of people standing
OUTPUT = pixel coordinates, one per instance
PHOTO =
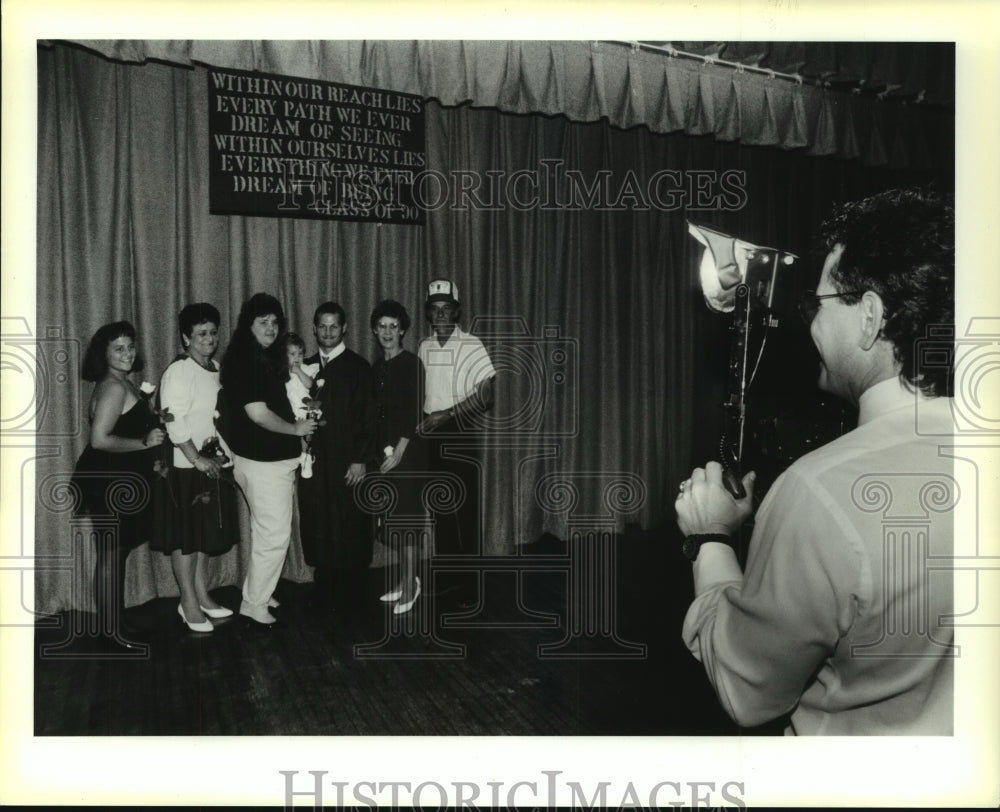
(268, 421)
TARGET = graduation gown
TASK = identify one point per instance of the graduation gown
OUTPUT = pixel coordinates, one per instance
(336, 533)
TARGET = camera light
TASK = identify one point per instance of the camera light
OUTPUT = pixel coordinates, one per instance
(724, 266)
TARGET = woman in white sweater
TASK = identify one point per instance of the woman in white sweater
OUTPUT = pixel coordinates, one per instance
(196, 513)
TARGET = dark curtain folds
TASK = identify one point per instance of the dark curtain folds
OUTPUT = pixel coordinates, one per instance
(124, 232)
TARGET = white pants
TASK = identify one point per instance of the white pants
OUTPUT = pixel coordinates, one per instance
(270, 488)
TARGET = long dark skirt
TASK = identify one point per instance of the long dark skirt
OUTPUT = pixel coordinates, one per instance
(194, 514)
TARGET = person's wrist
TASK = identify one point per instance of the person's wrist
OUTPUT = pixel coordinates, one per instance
(727, 526)
(693, 543)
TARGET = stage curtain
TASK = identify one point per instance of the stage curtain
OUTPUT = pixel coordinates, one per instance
(124, 232)
(592, 81)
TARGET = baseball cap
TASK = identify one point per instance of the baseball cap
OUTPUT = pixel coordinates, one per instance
(442, 290)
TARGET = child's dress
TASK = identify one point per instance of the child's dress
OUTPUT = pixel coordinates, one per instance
(296, 391)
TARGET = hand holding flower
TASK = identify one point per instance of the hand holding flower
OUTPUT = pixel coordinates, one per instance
(212, 449)
(304, 428)
(209, 466)
(212, 461)
(394, 455)
(154, 437)
(313, 418)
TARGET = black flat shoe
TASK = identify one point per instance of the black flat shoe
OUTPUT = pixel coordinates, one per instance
(130, 631)
(253, 623)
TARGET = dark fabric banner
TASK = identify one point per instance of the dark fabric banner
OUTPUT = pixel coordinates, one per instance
(284, 146)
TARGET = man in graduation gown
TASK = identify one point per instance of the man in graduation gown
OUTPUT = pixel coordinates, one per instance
(336, 533)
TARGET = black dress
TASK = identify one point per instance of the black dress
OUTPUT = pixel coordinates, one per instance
(398, 411)
(118, 485)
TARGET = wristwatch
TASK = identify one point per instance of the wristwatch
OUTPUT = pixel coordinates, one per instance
(692, 544)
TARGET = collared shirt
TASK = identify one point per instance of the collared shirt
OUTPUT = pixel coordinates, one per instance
(840, 617)
(325, 359)
(453, 369)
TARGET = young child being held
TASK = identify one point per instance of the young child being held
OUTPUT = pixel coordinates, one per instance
(297, 388)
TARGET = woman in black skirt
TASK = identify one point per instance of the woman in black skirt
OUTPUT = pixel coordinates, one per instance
(195, 511)
(399, 378)
(114, 473)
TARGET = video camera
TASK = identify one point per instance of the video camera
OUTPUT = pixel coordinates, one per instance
(752, 282)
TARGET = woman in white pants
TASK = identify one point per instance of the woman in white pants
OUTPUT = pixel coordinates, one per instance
(263, 435)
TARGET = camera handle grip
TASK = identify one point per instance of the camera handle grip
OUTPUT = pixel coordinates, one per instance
(730, 471)
(733, 483)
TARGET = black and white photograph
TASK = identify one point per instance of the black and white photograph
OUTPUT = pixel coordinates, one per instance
(474, 418)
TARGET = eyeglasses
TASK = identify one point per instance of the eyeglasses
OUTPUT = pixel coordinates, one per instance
(809, 302)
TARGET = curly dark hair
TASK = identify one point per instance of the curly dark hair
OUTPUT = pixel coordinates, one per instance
(243, 344)
(194, 314)
(392, 309)
(901, 245)
(95, 361)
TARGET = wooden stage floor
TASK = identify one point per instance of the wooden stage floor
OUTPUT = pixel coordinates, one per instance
(521, 662)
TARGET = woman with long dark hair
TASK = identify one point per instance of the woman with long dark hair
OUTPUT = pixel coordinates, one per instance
(116, 469)
(195, 514)
(263, 435)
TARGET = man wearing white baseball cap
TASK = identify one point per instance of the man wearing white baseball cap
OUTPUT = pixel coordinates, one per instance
(458, 390)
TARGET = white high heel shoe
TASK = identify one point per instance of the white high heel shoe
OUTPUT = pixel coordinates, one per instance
(204, 626)
(221, 612)
(391, 597)
(403, 608)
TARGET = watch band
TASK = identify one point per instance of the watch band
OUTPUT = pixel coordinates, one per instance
(692, 544)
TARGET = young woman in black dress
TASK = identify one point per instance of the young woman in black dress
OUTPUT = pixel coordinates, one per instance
(115, 471)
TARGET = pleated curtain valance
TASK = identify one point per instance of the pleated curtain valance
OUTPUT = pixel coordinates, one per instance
(589, 81)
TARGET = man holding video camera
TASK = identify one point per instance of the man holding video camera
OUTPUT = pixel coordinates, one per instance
(838, 622)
